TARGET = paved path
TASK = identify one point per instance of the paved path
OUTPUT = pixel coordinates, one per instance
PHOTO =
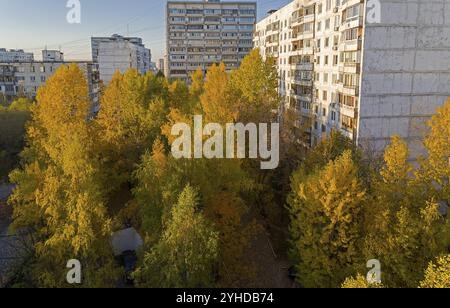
(5, 191)
(9, 246)
(272, 267)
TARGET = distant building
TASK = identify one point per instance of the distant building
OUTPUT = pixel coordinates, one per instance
(15, 55)
(202, 33)
(25, 78)
(118, 53)
(153, 67)
(52, 56)
(161, 66)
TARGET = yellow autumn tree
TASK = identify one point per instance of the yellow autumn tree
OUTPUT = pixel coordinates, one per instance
(59, 195)
(216, 101)
(254, 89)
(160, 179)
(326, 220)
(437, 274)
(404, 228)
(435, 167)
(132, 110)
(197, 84)
(359, 282)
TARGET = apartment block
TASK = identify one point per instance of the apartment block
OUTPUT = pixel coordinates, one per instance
(52, 55)
(201, 33)
(161, 66)
(371, 69)
(25, 78)
(118, 53)
(15, 55)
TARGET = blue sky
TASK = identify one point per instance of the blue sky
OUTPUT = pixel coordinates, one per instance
(34, 24)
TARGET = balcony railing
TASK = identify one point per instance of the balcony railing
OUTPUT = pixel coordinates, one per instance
(304, 66)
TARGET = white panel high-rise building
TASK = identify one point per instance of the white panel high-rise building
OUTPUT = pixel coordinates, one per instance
(201, 33)
(370, 71)
(119, 53)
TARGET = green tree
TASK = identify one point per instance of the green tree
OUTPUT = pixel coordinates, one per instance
(188, 251)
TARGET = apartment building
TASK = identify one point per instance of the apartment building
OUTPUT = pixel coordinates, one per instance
(25, 78)
(370, 71)
(201, 33)
(161, 66)
(15, 55)
(52, 55)
(118, 53)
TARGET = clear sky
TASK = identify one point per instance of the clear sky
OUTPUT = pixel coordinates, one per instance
(34, 24)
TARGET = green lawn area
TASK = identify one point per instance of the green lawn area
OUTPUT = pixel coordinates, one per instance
(12, 131)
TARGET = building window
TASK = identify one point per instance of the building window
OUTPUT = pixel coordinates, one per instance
(347, 123)
(333, 116)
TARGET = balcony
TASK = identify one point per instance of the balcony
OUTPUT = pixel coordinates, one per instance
(352, 45)
(352, 23)
(305, 35)
(229, 60)
(303, 66)
(303, 19)
(350, 90)
(349, 3)
(229, 52)
(347, 110)
(301, 96)
(350, 68)
(214, 37)
(303, 82)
